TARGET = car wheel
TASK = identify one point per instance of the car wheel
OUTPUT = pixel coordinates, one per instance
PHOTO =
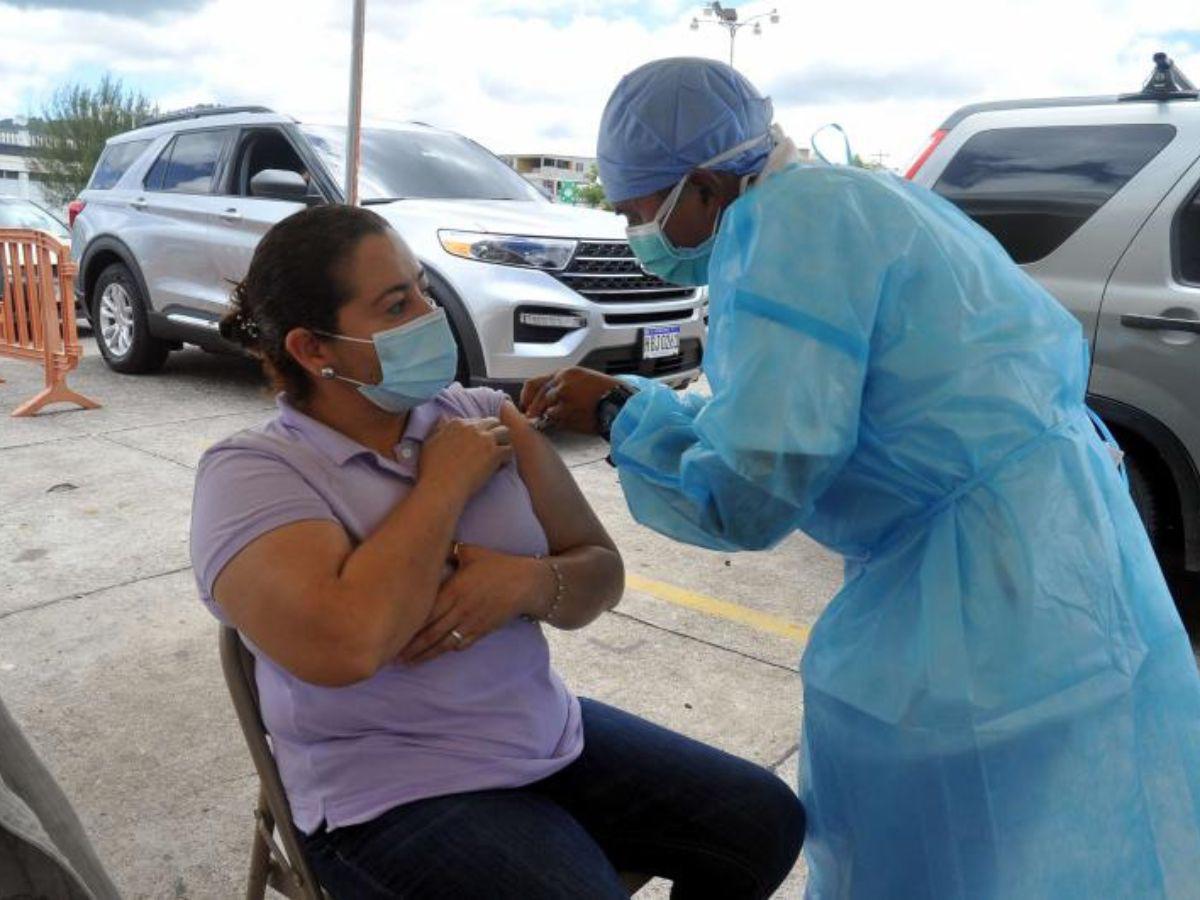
(118, 316)
(462, 373)
(1145, 498)
(83, 318)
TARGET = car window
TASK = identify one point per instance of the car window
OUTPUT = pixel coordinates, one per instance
(188, 164)
(409, 164)
(25, 214)
(114, 162)
(1032, 188)
(1187, 240)
(153, 179)
(260, 150)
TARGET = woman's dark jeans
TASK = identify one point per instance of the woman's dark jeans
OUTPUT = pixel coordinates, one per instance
(639, 799)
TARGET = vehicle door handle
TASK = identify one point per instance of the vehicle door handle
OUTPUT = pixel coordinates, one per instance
(231, 215)
(139, 203)
(1161, 323)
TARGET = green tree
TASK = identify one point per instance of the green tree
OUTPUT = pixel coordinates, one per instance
(70, 134)
(591, 192)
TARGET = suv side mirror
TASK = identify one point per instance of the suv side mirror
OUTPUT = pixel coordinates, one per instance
(282, 184)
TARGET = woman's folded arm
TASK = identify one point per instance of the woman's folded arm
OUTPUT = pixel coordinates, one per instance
(332, 613)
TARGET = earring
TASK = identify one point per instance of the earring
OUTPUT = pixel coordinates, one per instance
(328, 373)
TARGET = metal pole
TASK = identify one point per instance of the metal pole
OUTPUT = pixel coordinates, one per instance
(354, 125)
(732, 38)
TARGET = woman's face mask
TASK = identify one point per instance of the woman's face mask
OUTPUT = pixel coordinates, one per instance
(418, 360)
(686, 266)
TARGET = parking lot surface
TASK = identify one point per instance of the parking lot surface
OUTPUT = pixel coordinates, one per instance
(110, 662)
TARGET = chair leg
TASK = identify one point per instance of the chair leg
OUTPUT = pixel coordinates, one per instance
(260, 858)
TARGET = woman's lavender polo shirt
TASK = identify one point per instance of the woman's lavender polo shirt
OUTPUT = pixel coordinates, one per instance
(493, 716)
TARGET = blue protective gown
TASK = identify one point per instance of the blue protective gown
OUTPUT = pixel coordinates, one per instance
(1001, 701)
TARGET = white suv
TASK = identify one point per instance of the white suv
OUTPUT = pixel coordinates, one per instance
(175, 209)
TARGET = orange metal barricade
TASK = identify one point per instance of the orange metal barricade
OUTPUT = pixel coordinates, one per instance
(37, 313)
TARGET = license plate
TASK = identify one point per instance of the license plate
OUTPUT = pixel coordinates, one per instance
(658, 343)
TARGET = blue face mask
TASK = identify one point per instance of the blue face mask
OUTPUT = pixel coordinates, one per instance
(418, 359)
(687, 266)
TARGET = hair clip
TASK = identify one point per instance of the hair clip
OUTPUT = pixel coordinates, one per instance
(249, 326)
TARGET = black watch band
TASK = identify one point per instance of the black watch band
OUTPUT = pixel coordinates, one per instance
(609, 407)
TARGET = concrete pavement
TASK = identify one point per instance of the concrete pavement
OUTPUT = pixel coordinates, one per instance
(110, 662)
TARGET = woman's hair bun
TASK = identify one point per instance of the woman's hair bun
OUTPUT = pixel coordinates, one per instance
(239, 328)
(298, 278)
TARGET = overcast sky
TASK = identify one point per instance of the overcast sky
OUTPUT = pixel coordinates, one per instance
(533, 75)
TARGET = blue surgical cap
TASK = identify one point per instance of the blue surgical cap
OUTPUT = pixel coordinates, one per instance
(670, 116)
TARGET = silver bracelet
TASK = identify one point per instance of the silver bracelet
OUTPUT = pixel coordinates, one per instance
(560, 592)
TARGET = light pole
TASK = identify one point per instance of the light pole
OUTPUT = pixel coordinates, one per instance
(727, 17)
(354, 112)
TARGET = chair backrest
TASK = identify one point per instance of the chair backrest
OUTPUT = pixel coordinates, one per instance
(237, 662)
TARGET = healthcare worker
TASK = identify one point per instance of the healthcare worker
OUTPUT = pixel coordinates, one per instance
(1001, 701)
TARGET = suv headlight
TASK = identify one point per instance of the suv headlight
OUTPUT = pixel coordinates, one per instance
(551, 254)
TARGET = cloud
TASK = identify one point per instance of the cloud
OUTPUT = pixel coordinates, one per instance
(556, 131)
(509, 90)
(1187, 40)
(533, 75)
(819, 84)
(138, 8)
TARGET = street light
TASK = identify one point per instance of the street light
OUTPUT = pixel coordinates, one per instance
(727, 17)
(354, 112)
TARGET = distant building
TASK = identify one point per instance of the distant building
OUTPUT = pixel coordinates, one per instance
(555, 176)
(17, 177)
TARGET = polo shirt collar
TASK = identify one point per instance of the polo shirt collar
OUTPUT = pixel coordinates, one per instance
(340, 449)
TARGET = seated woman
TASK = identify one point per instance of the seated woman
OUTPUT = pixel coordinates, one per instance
(390, 547)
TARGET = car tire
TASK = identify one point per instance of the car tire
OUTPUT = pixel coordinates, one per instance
(462, 373)
(120, 325)
(1145, 498)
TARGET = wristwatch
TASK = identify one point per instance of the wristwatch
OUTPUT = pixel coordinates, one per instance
(609, 407)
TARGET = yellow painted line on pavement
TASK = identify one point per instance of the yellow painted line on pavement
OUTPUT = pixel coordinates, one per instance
(720, 609)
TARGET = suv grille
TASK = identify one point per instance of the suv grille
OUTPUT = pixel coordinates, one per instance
(608, 272)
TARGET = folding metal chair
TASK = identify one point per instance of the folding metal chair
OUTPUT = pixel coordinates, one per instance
(283, 868)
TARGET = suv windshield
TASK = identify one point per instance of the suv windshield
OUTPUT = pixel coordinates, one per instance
(25, 214)
(411, 164)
